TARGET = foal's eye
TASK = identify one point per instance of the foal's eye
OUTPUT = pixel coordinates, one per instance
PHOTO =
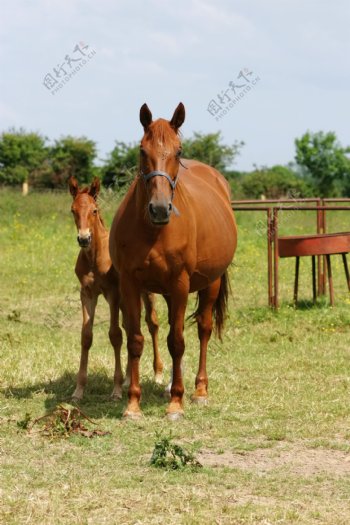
(178, 153)
(143, 153)
(95, 211)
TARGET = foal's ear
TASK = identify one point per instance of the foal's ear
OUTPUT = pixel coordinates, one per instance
(73, 186)
(95, 188)
(178, 117)
(145, 116)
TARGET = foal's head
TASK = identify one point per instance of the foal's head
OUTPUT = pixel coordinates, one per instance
(84, 209)
(160, 152)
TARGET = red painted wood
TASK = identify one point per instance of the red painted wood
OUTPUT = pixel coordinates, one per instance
(320, 244)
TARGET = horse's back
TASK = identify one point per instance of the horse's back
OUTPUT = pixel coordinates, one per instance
(199, 177)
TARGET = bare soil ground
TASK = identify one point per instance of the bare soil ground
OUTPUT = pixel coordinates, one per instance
(295, 458)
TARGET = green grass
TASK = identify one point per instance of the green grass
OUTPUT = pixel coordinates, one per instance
(279, 388)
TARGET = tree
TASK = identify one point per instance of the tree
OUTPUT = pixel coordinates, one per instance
(70, 156)
(274, 183)
(22, 156)
(121, 164)
(326, 162)
(209, 149)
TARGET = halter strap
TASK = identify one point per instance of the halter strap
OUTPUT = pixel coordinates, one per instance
(158, 173)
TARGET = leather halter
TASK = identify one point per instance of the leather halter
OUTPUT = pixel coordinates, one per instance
(157, 173)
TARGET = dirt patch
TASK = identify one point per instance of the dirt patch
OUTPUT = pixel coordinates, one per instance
(295, 459)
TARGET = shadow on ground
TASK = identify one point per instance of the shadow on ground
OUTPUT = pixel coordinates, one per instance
(97, 402)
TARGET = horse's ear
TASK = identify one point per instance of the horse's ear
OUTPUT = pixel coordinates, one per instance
(95, 188)
(73, 186)
(145, 116)
(178, 117)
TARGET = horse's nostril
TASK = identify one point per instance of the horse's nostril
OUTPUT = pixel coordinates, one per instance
(152, 210)
(170, 206)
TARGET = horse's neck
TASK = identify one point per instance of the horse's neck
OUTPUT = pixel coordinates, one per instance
(98, 253)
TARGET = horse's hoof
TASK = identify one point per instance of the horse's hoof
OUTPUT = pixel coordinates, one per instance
(175, 416)
(200, 400)
(132, 416)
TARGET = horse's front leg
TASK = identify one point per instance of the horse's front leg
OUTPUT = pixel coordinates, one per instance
(88, 303)
(153, 327)
(131, 297)
(176, 345)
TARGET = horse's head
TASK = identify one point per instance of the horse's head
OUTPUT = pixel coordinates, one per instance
(84, 209)
(160, 152)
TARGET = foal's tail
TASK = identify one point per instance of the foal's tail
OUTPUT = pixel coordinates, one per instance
(220, 305)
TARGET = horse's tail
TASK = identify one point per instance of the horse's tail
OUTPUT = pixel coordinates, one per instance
(220, 305)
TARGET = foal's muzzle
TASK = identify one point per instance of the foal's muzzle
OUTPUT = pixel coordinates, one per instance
(160, 213)
(84, 241)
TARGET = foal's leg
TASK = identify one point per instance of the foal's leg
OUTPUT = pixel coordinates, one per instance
(176, 345)
(116, 339)
(153, 327)
(204, 318)
(132, 310)
(88, 303)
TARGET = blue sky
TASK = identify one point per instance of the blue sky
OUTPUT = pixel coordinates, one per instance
(163, 52)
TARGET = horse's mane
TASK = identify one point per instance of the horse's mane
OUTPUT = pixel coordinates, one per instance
(160, 131)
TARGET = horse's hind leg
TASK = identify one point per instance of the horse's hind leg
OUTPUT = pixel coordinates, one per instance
(116, 339)
(88, 303)
(153, 327)
(204, 318)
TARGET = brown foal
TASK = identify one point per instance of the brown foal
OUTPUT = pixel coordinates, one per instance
(97, 276)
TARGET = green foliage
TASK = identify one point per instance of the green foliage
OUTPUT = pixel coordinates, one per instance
(170, 456)
(209, 149)
(22, 156)
(326, 161)
(274, 183)
(121, 165)
(70, 156)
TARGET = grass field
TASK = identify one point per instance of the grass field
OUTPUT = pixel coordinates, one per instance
(274, 441)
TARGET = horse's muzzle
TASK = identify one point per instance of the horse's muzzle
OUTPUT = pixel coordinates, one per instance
(85, 241)
(159, 213)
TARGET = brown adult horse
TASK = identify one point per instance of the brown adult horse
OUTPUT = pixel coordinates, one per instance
(174, 233)
(97, 276)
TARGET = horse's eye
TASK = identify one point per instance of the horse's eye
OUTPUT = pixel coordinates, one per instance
(178, 153)
(95, 211)
(143, 153)
(72, 211)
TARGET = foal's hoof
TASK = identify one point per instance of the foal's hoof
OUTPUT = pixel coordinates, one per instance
(200, 400)
(132, 416)
(116, 396)
(76, 398)
(158, 379)
(175, 416)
